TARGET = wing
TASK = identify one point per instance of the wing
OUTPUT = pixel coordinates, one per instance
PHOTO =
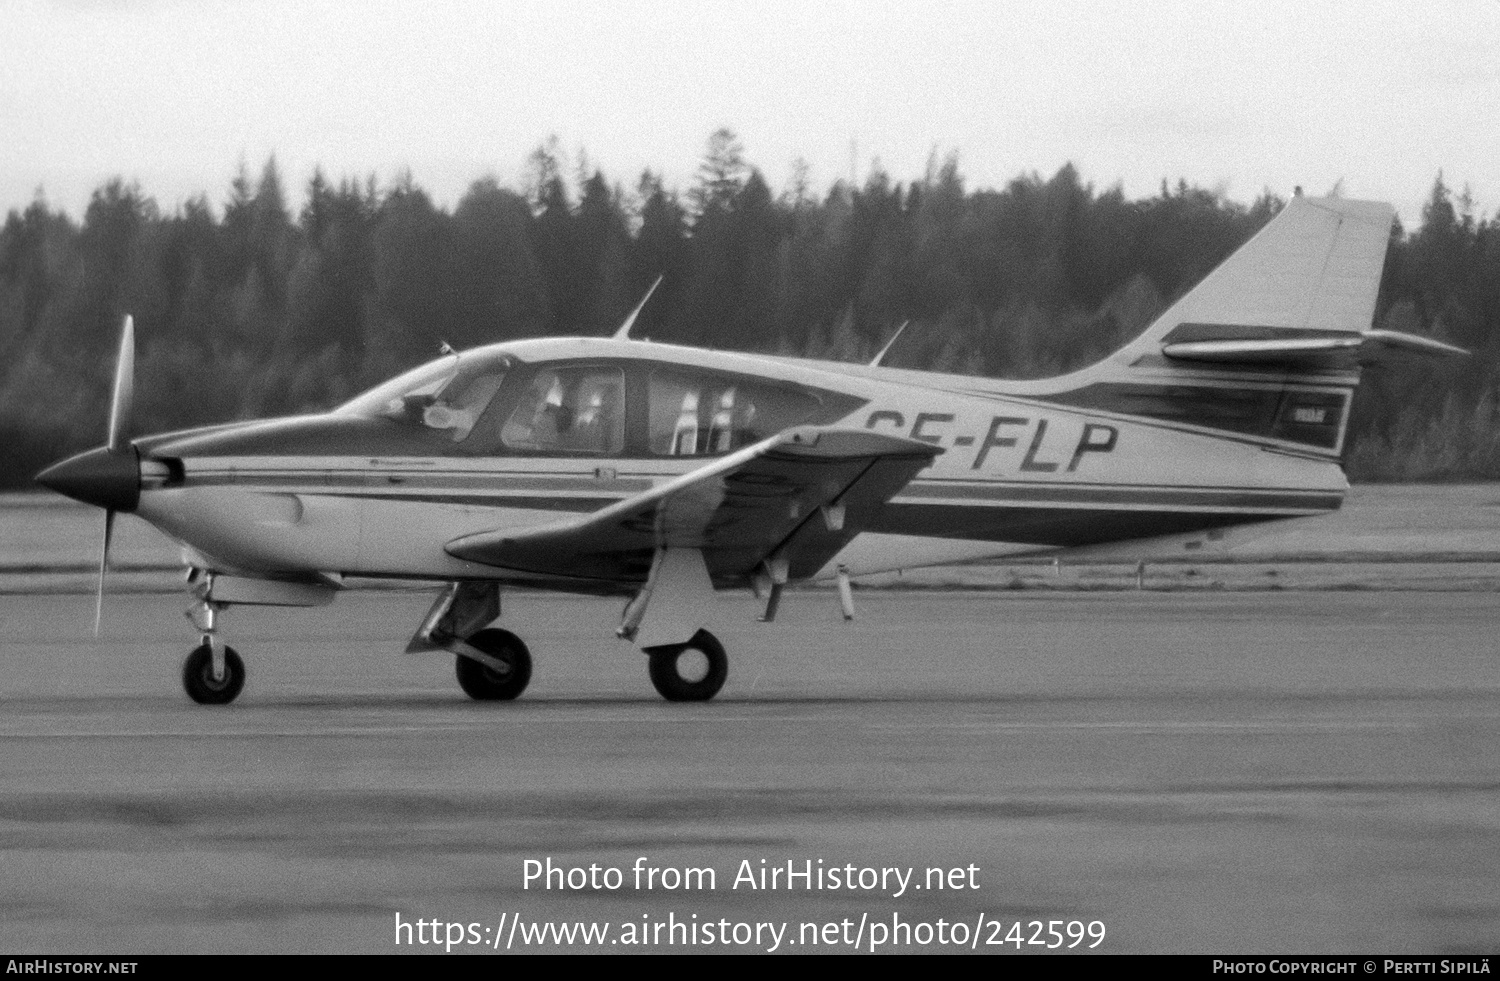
(801, 495)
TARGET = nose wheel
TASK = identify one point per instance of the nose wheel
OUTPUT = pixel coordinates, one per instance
(213, 673)
(203, 684)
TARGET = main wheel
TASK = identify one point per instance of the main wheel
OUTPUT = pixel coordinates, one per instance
(198, 676)
(484, 683)
(691, 672)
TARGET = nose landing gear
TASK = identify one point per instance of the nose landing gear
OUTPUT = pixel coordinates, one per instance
(213, 673)
(206, 686)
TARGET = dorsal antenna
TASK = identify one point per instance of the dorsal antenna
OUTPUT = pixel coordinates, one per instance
(623, 334)
(875, 363)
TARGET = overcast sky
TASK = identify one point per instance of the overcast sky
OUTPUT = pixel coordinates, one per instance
(1239, 95)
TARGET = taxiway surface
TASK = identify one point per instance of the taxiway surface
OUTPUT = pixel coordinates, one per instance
(1268, 772)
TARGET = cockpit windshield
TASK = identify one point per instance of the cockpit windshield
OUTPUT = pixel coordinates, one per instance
(447, 395)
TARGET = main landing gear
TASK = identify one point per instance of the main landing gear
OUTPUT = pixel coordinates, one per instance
(492, 665)
(668, 607)
(691, 672)
(500, 678)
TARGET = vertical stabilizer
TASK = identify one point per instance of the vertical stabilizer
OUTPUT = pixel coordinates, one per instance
(1314, 268)
(1267, 347)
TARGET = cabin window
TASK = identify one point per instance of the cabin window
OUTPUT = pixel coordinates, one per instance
(570, 410)
(447, 396)
(703, 414)
(460, 404)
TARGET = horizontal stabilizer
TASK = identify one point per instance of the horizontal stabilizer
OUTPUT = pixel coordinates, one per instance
(1384, 343)
(1291, 347)
(799, 496)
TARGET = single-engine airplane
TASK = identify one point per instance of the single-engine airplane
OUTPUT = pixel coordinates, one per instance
(661, 473)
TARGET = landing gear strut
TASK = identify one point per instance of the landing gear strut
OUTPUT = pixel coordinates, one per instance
(691, 672)
(492, 665)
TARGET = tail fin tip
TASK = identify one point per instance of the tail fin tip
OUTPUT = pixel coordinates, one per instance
(1315, 267)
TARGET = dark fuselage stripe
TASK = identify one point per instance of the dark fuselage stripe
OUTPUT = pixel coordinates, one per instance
(1154, 496)
(1069, 400)
(1055, 527)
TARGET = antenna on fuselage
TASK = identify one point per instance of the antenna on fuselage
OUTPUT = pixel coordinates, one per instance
(444, 348)
(875, 363)
(623, 334)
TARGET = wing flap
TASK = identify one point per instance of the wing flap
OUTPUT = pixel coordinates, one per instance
(805, 492)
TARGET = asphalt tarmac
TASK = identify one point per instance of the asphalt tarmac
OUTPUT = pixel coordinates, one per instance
(1233, 773)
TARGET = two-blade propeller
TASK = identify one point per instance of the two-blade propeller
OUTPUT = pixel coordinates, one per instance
(107, 476)
(121, 397)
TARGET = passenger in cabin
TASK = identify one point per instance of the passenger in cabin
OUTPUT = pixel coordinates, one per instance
(685, 435)
(721, 429)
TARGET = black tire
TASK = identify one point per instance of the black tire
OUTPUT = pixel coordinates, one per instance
(198, 676)
(482, 682)
(691, 672)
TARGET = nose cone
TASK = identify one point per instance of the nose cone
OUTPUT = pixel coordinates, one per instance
(110, 480)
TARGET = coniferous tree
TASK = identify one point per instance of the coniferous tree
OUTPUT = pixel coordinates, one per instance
(252, 312)
(660, 249)
(721, 174)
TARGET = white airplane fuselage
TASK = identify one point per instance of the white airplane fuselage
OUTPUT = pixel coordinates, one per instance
(1018, 474)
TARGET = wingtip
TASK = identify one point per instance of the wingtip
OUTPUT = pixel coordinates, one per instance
(1416, 344)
